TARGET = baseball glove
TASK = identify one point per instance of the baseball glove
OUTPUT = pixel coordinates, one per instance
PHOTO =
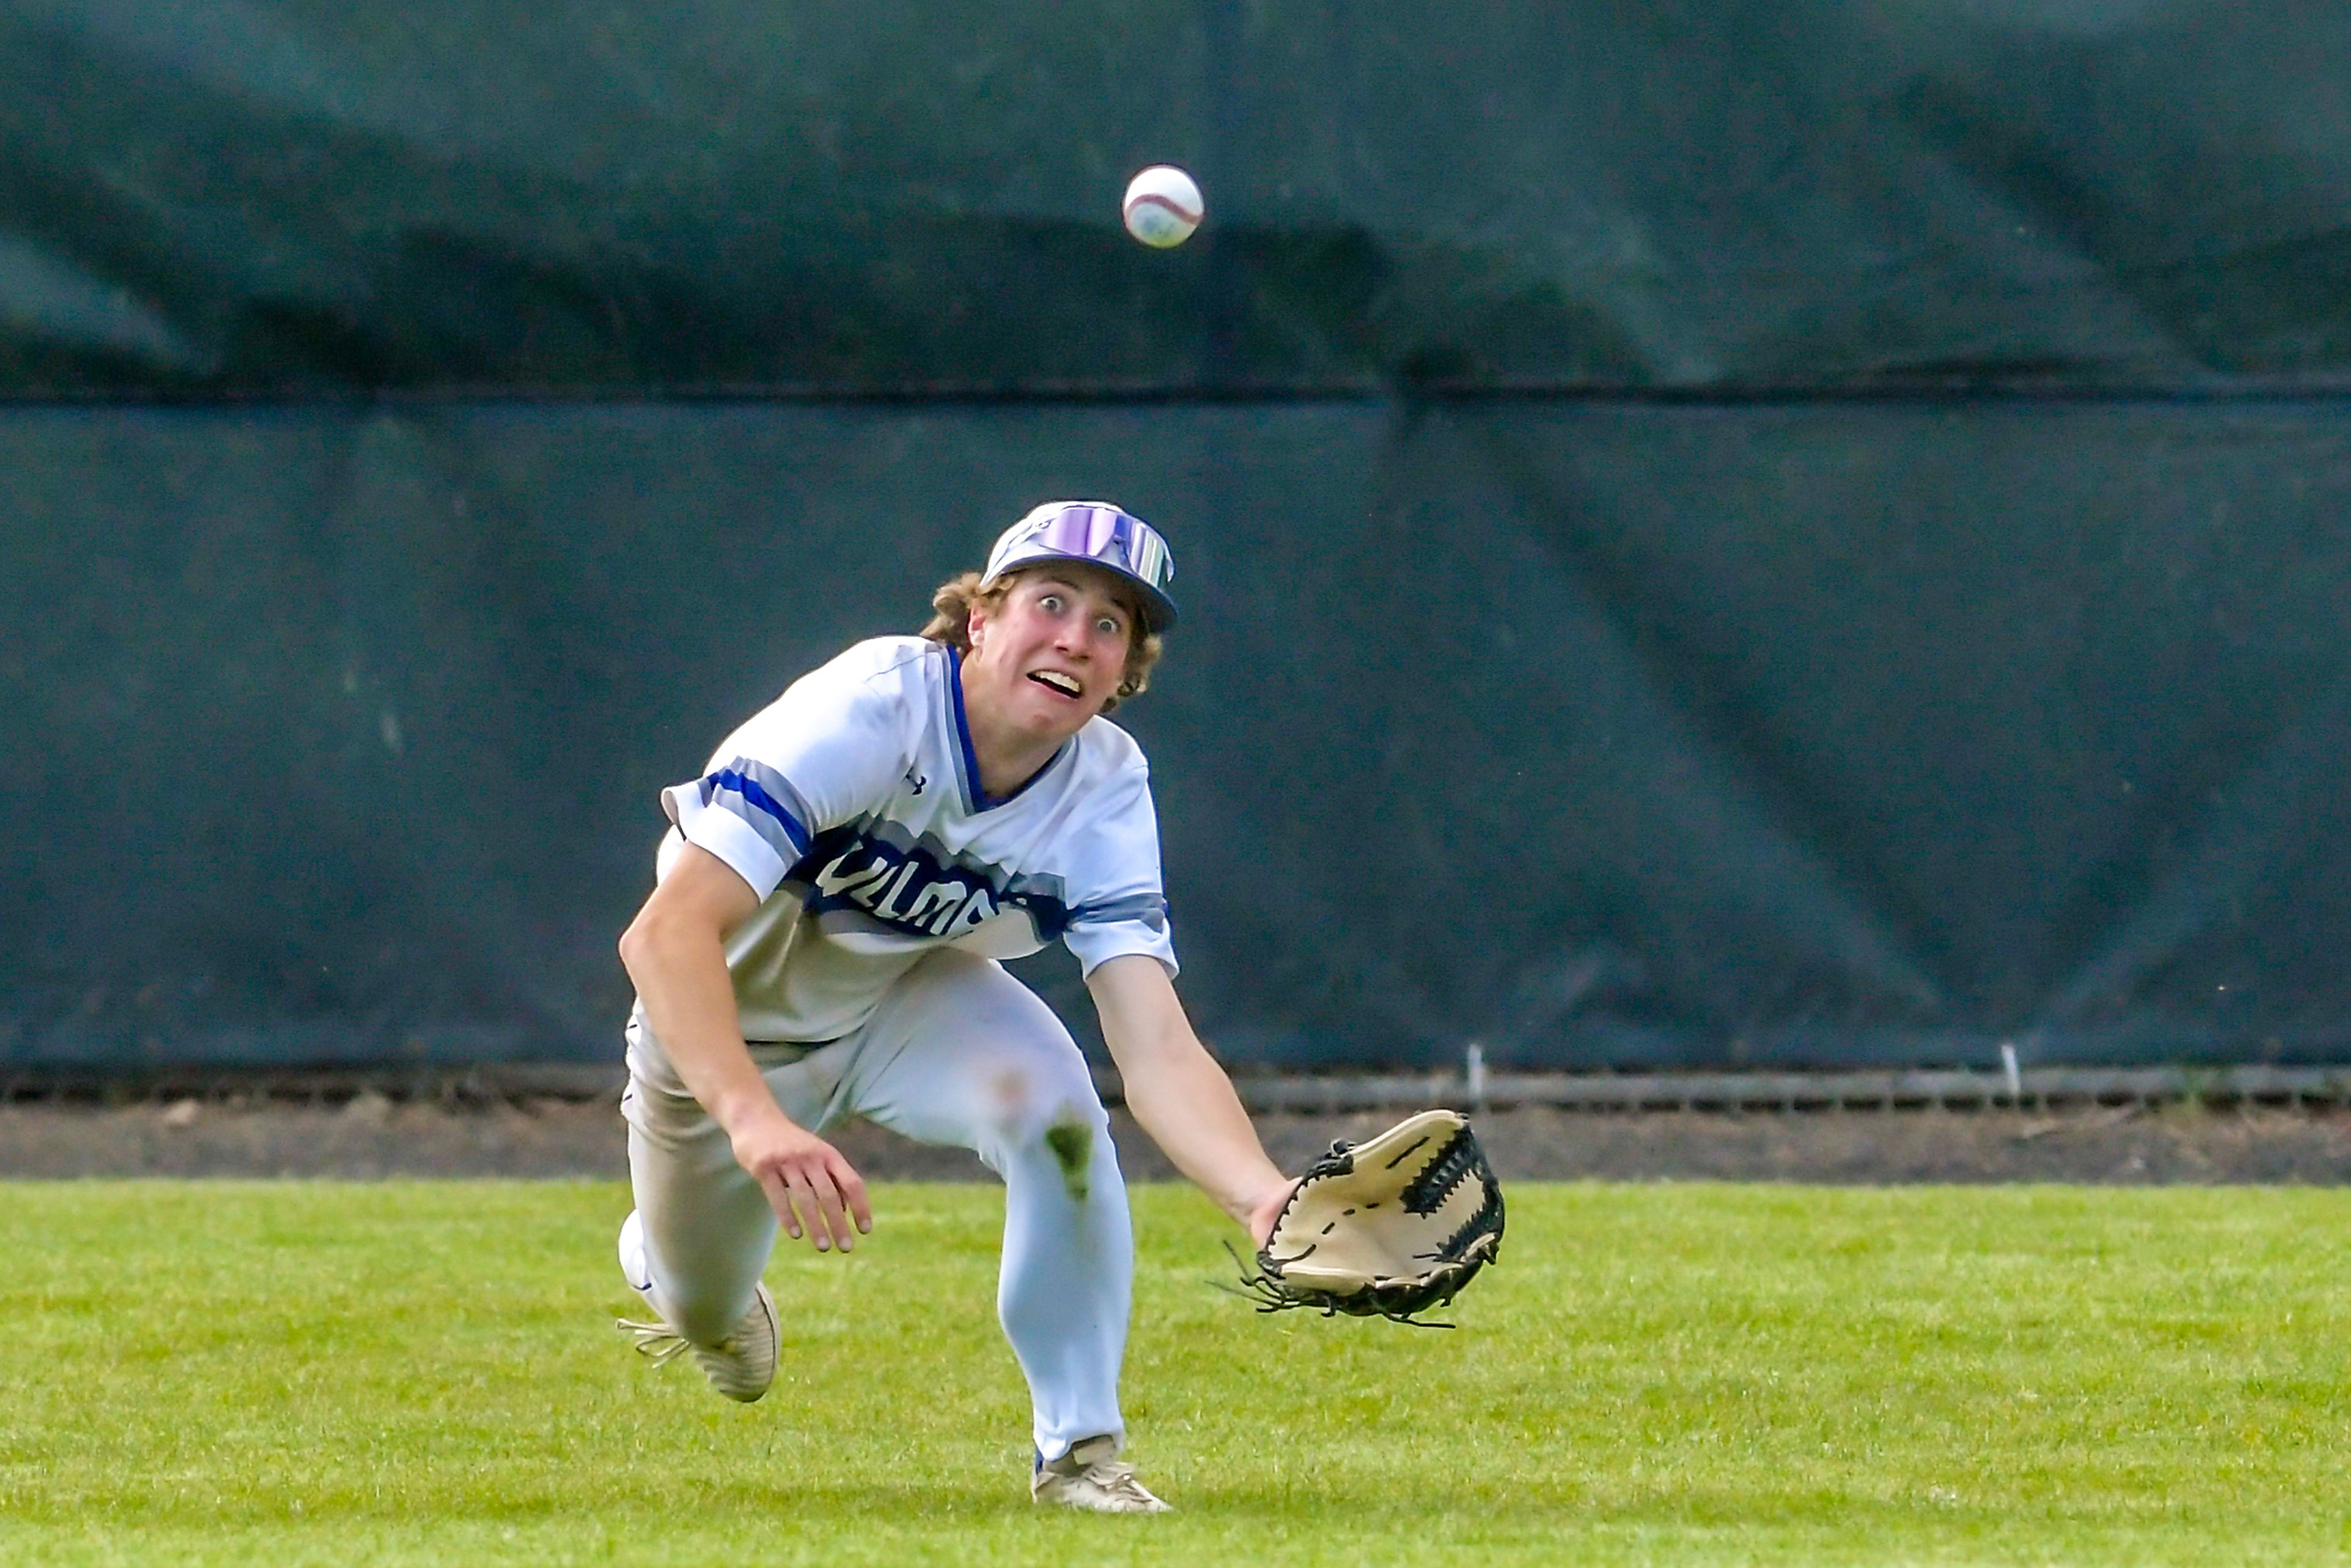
(1390, 1227)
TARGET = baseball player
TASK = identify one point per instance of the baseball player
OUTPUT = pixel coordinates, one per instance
(833, 899)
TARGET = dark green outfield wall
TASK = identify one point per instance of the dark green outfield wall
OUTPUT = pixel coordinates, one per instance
(1604, 734)
(1715, 533)
(291, 195)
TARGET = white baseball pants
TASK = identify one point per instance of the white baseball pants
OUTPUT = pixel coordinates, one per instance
(959, 1052)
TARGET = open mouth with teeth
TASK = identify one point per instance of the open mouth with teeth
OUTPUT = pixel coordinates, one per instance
(1055, 681)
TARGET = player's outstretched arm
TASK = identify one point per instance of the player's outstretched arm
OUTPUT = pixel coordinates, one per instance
(675, 952)
(1181, 1097)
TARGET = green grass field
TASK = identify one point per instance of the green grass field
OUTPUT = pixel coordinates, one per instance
(425, 1373)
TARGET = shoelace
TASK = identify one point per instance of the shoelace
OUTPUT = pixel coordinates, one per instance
(1115, 1478)
(658, 1342)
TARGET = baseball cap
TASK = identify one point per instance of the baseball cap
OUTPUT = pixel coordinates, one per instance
(1118, 541)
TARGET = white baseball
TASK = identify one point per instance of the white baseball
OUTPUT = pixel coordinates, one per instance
(1162, 206)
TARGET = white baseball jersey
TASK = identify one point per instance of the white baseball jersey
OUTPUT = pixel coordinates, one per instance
(852, 805)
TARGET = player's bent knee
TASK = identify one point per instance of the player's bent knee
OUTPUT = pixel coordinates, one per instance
(1026, 1098)
(1068, 1145)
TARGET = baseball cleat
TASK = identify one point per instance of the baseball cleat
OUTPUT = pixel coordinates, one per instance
(1086, 1478)
(741, 1366)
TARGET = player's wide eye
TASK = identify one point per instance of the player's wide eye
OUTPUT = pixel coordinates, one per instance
(1108, 626)
(1051, 601)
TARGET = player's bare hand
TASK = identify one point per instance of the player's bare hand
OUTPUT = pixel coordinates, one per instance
(812, 1189)
(1267, 1209)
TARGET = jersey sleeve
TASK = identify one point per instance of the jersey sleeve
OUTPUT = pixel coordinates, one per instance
(832, 746)
(1117, 906)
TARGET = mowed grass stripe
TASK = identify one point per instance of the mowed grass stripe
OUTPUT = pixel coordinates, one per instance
(425, 1373)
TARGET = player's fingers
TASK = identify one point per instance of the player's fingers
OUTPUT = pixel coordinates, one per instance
(834, 1219)
(852, 1193)
(780, 1199)
(811, 1207)
(834, 1180)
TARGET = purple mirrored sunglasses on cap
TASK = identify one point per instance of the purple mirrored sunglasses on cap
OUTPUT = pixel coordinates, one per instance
(1092, 531)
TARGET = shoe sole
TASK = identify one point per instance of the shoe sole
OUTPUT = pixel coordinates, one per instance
(773, 1325)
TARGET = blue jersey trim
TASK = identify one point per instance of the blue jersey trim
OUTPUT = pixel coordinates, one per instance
(975, 798)
(1140, 909)
(752, 792)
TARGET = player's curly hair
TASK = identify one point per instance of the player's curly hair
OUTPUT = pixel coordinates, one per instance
(951, 623)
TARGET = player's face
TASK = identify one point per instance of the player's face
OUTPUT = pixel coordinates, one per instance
(1052, 654)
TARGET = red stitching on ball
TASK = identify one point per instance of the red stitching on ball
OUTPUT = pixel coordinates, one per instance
(1154, 199)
